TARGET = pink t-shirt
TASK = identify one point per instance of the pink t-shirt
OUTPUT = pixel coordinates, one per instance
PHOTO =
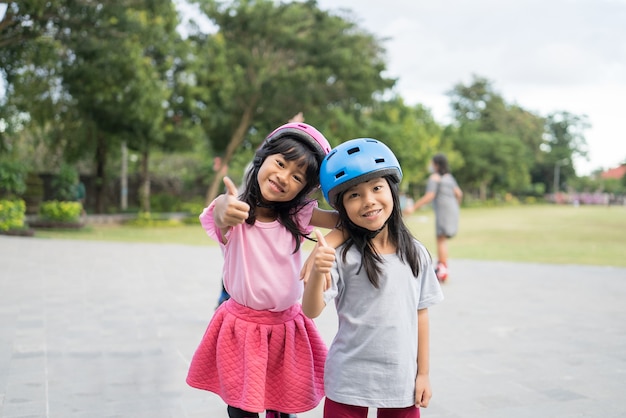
(260, 271)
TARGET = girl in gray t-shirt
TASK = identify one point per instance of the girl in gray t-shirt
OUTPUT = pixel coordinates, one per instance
(445, 195)
(382, 281)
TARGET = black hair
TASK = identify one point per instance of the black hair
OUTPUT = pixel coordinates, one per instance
(399, 235)
(291, 149)
(441, 163)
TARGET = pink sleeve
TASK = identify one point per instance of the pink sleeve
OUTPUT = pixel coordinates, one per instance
(208, 223)
(304, 216)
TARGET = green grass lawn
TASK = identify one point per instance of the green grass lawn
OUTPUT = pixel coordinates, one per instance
(541, 233)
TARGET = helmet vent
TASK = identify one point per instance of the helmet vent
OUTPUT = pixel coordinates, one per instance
(353, 150)
(340, 174)
(379, 160)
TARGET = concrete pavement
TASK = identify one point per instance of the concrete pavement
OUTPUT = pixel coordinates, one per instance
(95, 329)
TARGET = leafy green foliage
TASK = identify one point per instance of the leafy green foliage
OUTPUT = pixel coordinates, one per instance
(164, 202)
(270, 60)
(65, 183)
(57, 211)
(84, 77)
(12, 177)
(12, 214)
(502, 145)
(565, 140)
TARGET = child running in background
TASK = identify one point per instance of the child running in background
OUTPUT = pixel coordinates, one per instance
(259, 352)
(446, 196)
(383, 282)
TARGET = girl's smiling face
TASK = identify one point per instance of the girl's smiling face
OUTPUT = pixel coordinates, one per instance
(369, 204)
(281, 180)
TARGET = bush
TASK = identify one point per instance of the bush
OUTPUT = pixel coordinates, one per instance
(12, 214)
(193, 208)
(190, 220)
(65, 183)
(164, 202)
(56, 211)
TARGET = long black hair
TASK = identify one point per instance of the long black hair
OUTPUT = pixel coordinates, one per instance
(399, 235)
(441, 163)
(291, 149)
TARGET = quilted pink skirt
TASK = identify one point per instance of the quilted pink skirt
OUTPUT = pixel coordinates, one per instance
(258, 360)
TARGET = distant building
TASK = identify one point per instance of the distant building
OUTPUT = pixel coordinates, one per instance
(614, 173)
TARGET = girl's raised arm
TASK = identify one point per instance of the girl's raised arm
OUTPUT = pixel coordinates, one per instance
(229, 210)
(323, 258)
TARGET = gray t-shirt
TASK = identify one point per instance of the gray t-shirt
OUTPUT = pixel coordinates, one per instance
(372, 359)
(445, 205)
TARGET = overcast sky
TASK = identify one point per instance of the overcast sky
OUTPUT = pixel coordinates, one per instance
(546, 56)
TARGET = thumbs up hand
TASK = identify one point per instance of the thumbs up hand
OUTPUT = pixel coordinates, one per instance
(323, 258)
(229, 210)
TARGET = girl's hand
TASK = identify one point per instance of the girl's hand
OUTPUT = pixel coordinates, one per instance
(229, 210)
(323, 258)
(422, 391)
(324, 255)
(320, 261)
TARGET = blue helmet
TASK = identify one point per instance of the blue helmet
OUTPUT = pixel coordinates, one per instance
(353, 162)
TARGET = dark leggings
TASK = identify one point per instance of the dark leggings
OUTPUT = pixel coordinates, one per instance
(240, 413)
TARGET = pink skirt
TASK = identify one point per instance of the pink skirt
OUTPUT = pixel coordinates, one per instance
(258, 360)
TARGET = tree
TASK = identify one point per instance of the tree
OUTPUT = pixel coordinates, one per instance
(268, 61)
(24, 21)
(499, 142)
(24, 51)
(491, 162)
(564, 142)
(102, 73)
(116, 73)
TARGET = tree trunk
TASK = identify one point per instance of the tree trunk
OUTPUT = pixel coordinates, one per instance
(483, 191)
(101, 161)
(144, 192)
(234, 143)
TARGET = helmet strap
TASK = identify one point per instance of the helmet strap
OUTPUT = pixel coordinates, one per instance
(368, 233)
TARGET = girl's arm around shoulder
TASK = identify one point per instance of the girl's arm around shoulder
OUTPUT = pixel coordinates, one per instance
(323, 258)
(329, 219)
(324, 218)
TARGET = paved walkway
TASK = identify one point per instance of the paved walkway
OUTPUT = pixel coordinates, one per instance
(92, 329)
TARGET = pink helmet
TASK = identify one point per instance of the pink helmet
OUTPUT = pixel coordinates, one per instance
(305, 133)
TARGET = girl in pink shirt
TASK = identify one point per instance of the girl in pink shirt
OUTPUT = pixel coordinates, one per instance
(259, 351)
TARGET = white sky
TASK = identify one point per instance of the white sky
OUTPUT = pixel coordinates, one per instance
(544, 55)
